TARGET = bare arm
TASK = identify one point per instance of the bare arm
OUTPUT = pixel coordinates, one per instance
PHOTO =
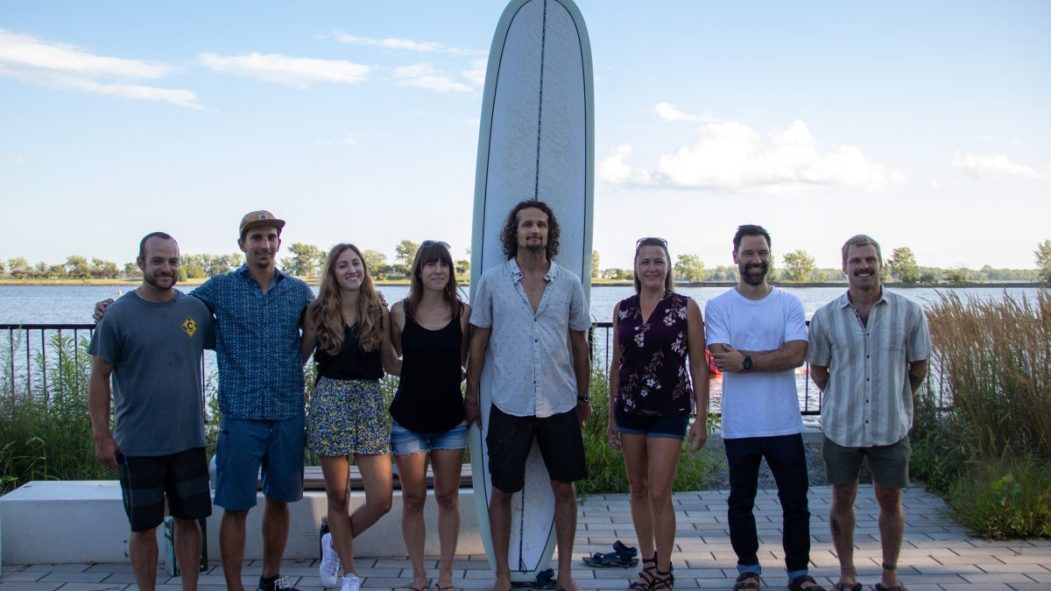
(698, 374)
(106, 449)
(788, 356)
(465, 330)
(397, 324)
(578, 340)
(917, 372)
(612, 435)
(475, 362)
(308, 341)
(819, 373)
(388, 356)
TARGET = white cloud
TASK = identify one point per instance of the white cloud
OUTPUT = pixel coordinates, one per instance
(297, 72)
(18, 160)
(403, 44)
(995, 165)
(731, 156)
(670, 112)
(475, 74)
(428, 77)
(67, 67)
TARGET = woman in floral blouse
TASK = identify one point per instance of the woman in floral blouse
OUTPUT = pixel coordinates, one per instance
(659, 373)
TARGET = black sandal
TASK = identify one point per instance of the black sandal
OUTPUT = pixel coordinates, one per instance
(797, 584)
(663, 580)
(747, 582)
(647, 575)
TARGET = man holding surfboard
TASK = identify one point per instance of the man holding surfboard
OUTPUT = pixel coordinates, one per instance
(526, 310)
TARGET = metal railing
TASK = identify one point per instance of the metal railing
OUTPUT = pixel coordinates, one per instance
(29, 347)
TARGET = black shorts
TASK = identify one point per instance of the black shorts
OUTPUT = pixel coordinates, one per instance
(510, 439)
(181, 477)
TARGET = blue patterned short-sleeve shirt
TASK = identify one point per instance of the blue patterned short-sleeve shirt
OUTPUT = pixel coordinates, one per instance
(257, 343)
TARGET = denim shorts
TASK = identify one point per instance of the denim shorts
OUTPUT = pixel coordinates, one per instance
(248, 448)
(404, 442)
(669, 427)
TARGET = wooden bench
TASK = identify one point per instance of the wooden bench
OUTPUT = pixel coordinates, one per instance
(313, 479)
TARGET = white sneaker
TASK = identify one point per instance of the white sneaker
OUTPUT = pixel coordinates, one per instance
(330, 568)
(351, 583)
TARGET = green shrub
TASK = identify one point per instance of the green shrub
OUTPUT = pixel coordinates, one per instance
(941, 444)
(606, 472)
(1009, 498)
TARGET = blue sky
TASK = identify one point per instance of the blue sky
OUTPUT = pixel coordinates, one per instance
(923, 124)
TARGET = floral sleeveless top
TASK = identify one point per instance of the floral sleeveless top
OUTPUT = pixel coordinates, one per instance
(654, 376)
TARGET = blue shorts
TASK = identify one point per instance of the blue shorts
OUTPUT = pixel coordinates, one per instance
(249, 449)
(670, 427)
(404, 442)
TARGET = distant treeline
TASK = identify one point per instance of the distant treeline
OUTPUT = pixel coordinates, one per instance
(307, 260)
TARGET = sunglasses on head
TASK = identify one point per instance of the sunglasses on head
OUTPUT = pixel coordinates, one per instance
(650, 241)
(429, 243)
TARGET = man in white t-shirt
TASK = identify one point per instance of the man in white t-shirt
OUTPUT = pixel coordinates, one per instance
(757, 336)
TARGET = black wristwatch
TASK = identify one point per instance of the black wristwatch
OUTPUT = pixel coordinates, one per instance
(583, 399)
(746, 364)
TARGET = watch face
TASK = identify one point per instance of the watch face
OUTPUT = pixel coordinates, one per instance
(747, 363)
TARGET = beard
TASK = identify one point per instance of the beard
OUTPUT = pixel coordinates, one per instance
(749, 275)
(155, 281)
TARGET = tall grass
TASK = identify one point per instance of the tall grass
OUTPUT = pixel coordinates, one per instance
(606, 472)
(46, 432)
(982, 434)
(994, 359)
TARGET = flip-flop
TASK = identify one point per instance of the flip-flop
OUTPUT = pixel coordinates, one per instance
(426, 587)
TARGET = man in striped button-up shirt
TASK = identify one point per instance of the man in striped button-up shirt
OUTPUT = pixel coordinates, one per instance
(868, 354)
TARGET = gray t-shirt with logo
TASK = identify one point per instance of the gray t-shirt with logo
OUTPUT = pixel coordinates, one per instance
(155, 351)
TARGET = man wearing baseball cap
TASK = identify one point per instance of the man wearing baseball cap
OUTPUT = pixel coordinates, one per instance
(258, 312)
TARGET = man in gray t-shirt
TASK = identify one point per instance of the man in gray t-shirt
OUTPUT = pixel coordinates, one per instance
(150, 344)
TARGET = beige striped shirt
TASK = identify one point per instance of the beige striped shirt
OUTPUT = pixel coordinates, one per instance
(868, 399)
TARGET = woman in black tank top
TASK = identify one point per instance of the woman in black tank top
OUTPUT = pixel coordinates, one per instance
(347, 329)
(429, 331)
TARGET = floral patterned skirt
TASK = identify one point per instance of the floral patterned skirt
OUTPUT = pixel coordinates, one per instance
(347, 417)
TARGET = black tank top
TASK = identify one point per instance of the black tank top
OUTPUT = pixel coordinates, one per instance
(352, 362)
(428, 399)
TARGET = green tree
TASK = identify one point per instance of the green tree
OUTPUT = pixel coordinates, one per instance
(798, 266)
(960, 275)
(404, 253)
(902, 265)
(78, 267)
(103, 269)
(376, 261)
(594, 264)
(463, 270)
(689, 267)
(19, 267)
(1043, 260)
(55, 271)
(131, 271)
(2, 268)
(305, 260)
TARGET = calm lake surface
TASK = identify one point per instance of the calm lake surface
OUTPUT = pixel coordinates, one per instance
(39, 304)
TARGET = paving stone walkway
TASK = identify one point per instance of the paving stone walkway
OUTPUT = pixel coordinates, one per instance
(938, 554)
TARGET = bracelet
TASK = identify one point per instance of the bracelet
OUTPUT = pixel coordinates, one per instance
(583, 399)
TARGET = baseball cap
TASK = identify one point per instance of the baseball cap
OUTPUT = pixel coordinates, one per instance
(262, 217)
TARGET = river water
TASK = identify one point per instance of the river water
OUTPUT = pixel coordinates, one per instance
(53, 304)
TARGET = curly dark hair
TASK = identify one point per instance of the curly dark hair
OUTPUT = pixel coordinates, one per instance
(509, 237)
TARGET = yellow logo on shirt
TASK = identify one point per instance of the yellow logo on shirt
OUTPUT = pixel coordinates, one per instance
(190, 326)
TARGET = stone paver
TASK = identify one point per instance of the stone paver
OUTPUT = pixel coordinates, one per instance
(938, 554)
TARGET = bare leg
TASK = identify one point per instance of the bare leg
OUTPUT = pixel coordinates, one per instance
(635, 463)
(841, 521)
(232, 546)
(565, 530)
(142, 549)
(500, 530)
(891, 530)
(276, 518)
(379, 490)
(447, 464)
(663, 457)
(188, 551)
(337, 493)
(412, 469)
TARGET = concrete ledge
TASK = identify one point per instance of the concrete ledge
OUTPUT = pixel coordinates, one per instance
(84, 521)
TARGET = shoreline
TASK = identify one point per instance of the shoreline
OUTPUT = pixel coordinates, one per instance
(314, 281)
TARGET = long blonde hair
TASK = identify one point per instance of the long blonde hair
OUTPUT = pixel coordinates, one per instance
(326, 310)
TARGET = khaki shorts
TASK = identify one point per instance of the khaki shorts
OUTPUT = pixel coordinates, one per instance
(889, 463)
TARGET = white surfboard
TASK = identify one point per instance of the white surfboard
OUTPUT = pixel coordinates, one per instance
(535, 141)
